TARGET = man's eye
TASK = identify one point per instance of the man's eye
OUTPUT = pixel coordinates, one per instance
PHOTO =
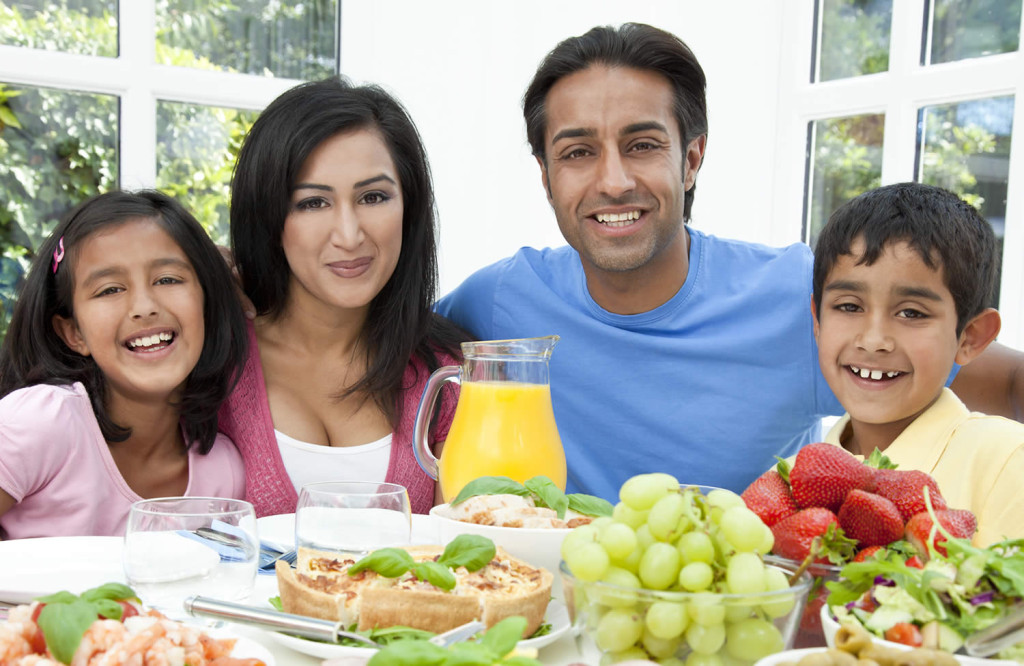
(575, 154)
(642, 146)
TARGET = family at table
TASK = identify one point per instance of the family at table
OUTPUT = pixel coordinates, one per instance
(130, 369)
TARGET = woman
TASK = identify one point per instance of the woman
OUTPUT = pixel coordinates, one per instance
(332, 229)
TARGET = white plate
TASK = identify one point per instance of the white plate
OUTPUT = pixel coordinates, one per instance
(786, 655)
(51, 564)
(246, 648)
(557, 616)
(280, 529)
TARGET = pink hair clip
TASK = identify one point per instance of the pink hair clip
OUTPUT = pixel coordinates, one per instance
(58, 254)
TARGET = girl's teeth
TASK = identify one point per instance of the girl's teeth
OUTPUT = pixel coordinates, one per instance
(150, 340)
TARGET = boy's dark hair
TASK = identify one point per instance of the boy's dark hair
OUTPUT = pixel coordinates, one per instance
(400, 322)
(634, 45)
(33, 353)
(947, 232)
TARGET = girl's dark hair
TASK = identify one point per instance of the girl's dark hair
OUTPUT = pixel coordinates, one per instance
(633, 45)
(400, 323)
(949, 235)
(33, 353)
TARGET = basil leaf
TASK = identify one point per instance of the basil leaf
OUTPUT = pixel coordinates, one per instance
(64, 624)
(388, 562)
(436, 574)
(589, 505)
(471, 654)
(490, 485)
(62, 597)
(108, 608)
(115, 591)
(468, 550)
(421, 653)
(276, 603)
(502, 637)
(549, 494)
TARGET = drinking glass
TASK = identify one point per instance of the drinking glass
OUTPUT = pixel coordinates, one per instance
(352, 517)
(176, 547)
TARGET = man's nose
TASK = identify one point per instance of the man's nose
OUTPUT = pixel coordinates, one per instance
(614, 177)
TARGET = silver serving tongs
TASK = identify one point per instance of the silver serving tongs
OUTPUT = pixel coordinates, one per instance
(990, 640)
(268, 618)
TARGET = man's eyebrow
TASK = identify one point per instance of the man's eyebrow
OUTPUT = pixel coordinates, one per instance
(643, 127)
(574, 133)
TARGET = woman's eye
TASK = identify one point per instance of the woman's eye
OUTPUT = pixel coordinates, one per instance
(313, 203)
(167, 279)
(374, 198)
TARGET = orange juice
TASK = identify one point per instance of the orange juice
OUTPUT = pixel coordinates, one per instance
(501, 429)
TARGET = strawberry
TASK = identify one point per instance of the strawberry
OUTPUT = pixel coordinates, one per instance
(865, 553)
(823, 474)
(904, 488)
(960, 523)
(795, 534)
(870, 519)
(770, 498)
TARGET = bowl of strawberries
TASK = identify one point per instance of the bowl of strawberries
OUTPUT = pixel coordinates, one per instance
(829, 508)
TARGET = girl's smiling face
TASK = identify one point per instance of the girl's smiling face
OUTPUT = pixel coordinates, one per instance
(886, 336)
(138, 310)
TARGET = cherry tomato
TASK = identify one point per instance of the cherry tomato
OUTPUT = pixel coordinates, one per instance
(904, 632)
(867, 603)
(38, 641)
(914, 562)
(128, 610)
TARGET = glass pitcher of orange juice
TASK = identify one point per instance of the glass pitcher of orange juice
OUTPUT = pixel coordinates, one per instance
(503, 423)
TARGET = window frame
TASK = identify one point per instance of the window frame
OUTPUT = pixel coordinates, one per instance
(898, 93)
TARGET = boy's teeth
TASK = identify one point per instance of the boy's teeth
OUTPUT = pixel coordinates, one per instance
(873, 374)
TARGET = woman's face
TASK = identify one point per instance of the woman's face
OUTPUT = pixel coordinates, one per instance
(343, 233)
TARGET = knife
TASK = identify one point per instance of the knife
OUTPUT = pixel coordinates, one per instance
(268, 618)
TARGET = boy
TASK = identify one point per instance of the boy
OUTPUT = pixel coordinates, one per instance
(902, 278)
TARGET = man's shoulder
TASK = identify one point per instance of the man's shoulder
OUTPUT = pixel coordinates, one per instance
(755, 253)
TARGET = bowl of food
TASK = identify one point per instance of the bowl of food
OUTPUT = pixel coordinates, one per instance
(529, 520)
(627, 622)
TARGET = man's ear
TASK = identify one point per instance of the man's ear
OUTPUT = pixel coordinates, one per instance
(67, 330)
(692, 161)
(977, 335)
(544, 177)
(814, 318)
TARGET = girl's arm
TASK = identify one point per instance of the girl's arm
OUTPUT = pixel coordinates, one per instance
(6, 502)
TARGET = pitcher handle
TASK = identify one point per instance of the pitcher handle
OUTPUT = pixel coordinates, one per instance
(420, 444)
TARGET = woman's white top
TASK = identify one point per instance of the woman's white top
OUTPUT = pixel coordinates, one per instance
(310, 463)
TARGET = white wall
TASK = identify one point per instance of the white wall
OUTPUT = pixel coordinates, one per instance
(461, 67)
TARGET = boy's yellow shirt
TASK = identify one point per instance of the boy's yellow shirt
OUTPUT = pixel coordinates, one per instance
(977, 460)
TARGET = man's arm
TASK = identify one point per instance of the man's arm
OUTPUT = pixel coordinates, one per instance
(993, 383)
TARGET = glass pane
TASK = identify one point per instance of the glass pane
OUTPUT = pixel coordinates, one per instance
(854, 38)
(84, 27)
(965, 148)
(845, 160)
(196, 147)
(295, 40)
(962, 29)
(57, 148)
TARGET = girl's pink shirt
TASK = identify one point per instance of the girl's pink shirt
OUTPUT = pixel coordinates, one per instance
(55, 463)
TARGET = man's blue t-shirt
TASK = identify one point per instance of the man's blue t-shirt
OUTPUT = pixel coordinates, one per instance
(709, 387)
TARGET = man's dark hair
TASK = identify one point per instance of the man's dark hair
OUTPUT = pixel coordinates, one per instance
(947, 232)
(400, 322)
(634, 45)
(33, 353)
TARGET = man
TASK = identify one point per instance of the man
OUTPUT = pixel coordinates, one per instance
(680, 352)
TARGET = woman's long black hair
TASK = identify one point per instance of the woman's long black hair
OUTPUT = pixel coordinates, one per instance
(33, 353)
(400, 323)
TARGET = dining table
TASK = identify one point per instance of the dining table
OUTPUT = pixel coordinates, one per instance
(34, 567)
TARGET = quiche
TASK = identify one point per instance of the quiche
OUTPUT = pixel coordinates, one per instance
(319, 586)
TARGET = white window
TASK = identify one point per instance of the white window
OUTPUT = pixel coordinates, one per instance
(883, 91)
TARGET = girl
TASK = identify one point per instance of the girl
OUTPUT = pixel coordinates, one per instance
(124, 342)
(332, 228)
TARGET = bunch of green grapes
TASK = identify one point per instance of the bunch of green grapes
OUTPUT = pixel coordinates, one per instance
(698, 561)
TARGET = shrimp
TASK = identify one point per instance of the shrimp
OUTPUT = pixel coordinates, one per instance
(16, 639)
(34, 660)
(101, 636)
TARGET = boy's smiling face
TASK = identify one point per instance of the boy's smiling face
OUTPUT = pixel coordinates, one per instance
(886, 336)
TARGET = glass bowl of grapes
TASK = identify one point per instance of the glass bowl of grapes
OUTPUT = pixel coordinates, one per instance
(677, 573)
